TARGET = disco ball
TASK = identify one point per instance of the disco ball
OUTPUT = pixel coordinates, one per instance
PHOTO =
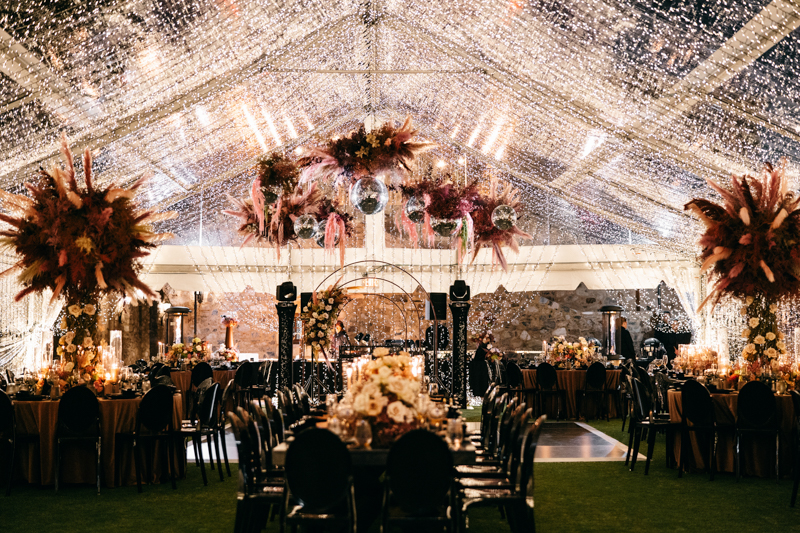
(271, 194)
(445, 226)
(305, 226)
(415, 209)
(504, 217)
(319, 238)
(369, 195)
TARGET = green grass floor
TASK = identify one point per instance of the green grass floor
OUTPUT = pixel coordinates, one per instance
(570, 497)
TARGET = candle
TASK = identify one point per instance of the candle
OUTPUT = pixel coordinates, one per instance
(114, 372)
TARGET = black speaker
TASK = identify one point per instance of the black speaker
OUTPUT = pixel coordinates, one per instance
(286, 292)
(305, 299)
(459, 291)
(437, 303)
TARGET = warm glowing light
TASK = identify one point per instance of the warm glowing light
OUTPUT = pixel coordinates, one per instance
(253, 126)
(202, 115)
(290, 127)
(271, 126)
(441, 164)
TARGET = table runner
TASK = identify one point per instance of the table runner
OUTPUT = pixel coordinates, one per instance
(37, 459)
(758, 455)
(572, 381)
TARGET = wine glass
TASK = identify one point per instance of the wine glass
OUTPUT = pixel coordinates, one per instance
(363, 434)
(455, 432)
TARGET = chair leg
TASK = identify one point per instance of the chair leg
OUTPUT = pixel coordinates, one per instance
(216, 448)
(196, 453)
(738, 456)
(777, 456)
(58, 461)
(200, 455)
(137, 461)
(713, 454)
(637, 440)
(683, 453)
(98, 449)
(11, 466)
(651, 444)
(630, 442)
(225, 450)
(210, 452)
(624, 409)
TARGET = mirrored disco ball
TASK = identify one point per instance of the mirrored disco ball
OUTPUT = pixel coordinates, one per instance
(369, 195)
(415, 209)
(319, 238)
(305, 226)
(445, 226)
(504, 217)
(271, 194)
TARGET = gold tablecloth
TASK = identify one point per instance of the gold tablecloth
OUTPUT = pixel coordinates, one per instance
(571, 381)
(183, 382)
(36, 462)
(758, 458)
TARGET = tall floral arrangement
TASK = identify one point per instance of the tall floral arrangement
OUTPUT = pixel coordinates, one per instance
(387, 397)
(80, 242)
(359, 154)
(751, 245)
(563, 353)
(320, 316)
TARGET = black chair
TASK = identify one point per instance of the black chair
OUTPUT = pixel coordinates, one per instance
(207, 426)
(255, 493)
(643, 420)
(319, 477)
(624, 394)
(756, 413)
(419, 470)
(8, 434)
(508, 461)
(595, 386)
(154, 425)
(796, 484)
(547, 387)
(518, 498)
(698, 417)
(78, 421)
(244, 378)
(202, 377)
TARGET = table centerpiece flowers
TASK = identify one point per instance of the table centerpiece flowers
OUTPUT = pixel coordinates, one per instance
(751, 247)
(229, 353)
(191, 354)
(387, 397)
(564, 354)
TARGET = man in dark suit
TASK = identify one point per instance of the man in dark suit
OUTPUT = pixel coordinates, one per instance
(626, 344)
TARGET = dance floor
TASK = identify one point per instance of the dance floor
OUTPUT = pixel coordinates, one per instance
(562, 442)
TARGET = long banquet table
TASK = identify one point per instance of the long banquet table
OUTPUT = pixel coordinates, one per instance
(758, 459)
(572, 381)
(183, 382)
(37, 458)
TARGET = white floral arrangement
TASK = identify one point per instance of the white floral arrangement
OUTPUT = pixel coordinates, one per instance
(320, 315)
(387, 396)
(581, 352)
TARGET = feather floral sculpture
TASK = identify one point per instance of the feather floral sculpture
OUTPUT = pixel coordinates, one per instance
(79, 242)
(358, 154)
(489, 235)
(751, 241)
(277, 175)
(278, 226)
(337, 224)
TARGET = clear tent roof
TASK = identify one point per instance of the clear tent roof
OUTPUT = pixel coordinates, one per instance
(608, 115)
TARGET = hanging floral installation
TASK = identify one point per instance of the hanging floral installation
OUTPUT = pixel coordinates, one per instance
(751, 245)
(488, 233)
(346, 159)
(335, 226)
(81, 243)
(277, 176)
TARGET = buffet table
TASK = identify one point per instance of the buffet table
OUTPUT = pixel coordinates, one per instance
(183, 382)
(571, 381)
(758, 456)
(37, 459)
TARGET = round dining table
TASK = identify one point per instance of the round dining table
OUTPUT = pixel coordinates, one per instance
(36, 430)
(572, 381)
(758, 457)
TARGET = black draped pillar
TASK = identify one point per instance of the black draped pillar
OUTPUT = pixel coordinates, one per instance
(459, 383)
(285, 331)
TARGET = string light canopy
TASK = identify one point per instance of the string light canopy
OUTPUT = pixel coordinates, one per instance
(606, 116)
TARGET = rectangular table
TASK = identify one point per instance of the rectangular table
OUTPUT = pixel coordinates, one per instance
(36, 462)
(572, 381)
(377, 457)
(757, 459)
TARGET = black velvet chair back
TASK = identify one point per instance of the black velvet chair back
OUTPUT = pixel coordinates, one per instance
(201, 372)
(514, 374)
(419, 469)
(756, 406)
(318, 470)
(79, 412)
(546, 376)
(697, 407)
(155, 410)
(596, 377)
(7, 417)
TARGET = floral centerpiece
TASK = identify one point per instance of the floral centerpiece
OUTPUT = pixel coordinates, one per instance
(751, 245)
(320, 316)
(228, 353)
(564, 354)
(80, 243)
(192, 354)
(765, 344)
(386, 397)
(359, 154)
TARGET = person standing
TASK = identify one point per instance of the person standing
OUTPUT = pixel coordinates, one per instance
(340, 338)
(478, 370)
(628, 351)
